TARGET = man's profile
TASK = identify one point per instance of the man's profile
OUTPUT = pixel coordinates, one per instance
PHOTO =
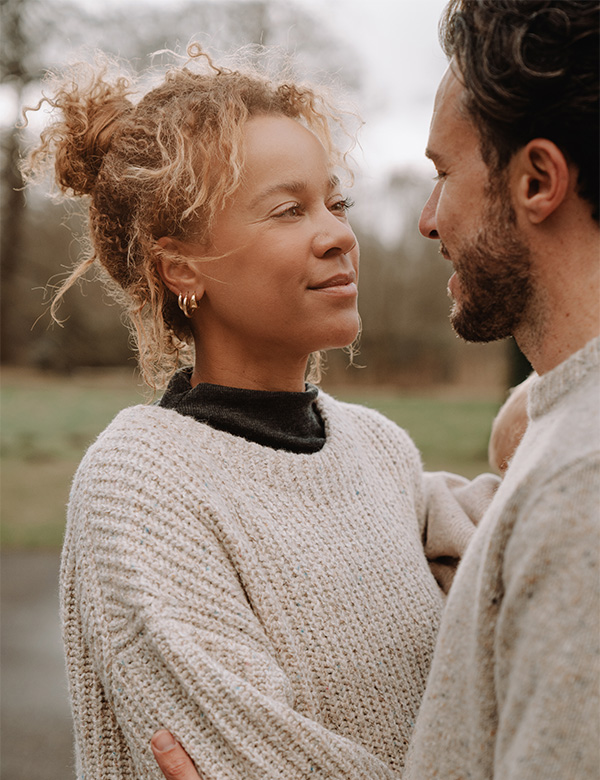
(513, 690)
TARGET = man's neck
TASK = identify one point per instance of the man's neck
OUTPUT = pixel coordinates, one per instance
(566, 313)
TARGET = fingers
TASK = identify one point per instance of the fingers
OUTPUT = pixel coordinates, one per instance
(174, 762)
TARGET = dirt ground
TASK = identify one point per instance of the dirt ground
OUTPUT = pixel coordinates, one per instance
(35, 733)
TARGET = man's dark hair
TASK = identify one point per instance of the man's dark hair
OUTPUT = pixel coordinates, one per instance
(530, 70)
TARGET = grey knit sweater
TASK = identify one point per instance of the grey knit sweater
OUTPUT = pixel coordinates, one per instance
(274, 610)
(514, 686)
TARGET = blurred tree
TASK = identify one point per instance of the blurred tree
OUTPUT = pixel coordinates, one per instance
(403, 303)
(31, 32)
(14, 71)
(519, 366)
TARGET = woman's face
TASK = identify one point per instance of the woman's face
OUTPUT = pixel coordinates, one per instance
(285, 283)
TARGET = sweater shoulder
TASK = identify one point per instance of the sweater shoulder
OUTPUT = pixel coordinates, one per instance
(142, 444)
(550, 528)
(141, 476)
(145, 425)
(373, 437)
(368, 420)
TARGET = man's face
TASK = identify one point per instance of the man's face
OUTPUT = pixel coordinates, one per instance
(470, 213)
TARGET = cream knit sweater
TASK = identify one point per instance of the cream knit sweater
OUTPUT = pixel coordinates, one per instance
(274, 610)
(514, 691)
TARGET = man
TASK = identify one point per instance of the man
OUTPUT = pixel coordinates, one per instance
(514, 686)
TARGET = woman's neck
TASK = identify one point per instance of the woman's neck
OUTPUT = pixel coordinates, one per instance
(251, 375)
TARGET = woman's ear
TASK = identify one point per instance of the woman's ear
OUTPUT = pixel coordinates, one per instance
(180, 275)
(542, 179)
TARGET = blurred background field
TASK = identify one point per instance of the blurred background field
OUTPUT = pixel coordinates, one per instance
(48, 420)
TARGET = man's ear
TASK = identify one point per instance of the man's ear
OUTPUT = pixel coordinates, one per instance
(180, 275)
(542, 179)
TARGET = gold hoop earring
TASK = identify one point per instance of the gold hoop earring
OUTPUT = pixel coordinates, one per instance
(188, 305)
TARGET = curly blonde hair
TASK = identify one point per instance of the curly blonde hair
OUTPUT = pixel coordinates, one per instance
(162, 166)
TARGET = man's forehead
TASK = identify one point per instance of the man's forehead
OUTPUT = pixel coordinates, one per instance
(449, 121)
(450, 92)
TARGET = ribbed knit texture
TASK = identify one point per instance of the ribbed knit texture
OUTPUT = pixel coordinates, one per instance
(274, 610)
(514, 687)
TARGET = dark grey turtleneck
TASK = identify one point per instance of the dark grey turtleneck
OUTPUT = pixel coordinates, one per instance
(281, 420)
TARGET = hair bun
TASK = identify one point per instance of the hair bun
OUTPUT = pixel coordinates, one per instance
(88, 129)
(87, 105)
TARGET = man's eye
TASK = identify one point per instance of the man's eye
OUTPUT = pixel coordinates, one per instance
(440, 175)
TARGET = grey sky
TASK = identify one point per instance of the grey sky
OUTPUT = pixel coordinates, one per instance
(397, 40)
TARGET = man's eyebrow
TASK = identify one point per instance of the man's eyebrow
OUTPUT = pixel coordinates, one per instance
(293, 187)
(436, 158)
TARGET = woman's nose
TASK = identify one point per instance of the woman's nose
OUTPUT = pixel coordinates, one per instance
(334, 237)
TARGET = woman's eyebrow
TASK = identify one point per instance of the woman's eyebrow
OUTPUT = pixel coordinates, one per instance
(292, 187)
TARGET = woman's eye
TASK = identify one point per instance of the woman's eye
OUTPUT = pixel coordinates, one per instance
(291, 211)
(440, 175)
(343, 205)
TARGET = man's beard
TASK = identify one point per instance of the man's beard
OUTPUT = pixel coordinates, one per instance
(496, 284)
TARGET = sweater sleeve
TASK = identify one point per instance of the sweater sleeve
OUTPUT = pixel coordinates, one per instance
(453, 507)
(548, 633)
(173, 641)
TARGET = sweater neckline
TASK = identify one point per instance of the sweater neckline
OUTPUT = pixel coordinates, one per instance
(280, 420)
(548, 389)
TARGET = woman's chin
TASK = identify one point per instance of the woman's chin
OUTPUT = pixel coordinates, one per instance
(339, 340)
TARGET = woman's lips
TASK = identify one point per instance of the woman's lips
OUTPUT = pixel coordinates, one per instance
(341, 284)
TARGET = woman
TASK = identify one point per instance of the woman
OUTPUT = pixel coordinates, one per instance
(243, 562)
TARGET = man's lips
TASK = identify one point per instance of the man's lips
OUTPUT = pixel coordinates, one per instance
(452, 288)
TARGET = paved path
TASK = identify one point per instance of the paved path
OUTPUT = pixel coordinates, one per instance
(35, 734)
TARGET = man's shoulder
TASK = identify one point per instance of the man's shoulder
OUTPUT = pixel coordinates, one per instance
(551, 492)
(553, 523)
(563, 434)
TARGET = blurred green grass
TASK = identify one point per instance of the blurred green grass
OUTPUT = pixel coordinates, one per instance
(47, 422)
(451, 433)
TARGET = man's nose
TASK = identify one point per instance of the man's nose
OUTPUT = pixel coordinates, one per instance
(427, 222)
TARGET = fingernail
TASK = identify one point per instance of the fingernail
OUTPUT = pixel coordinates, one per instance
(163, 741)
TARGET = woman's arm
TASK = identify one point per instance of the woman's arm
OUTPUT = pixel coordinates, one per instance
(453, 505)
(509, 426)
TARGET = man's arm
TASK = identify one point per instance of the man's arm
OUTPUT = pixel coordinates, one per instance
(547, 636)
(174, 762)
